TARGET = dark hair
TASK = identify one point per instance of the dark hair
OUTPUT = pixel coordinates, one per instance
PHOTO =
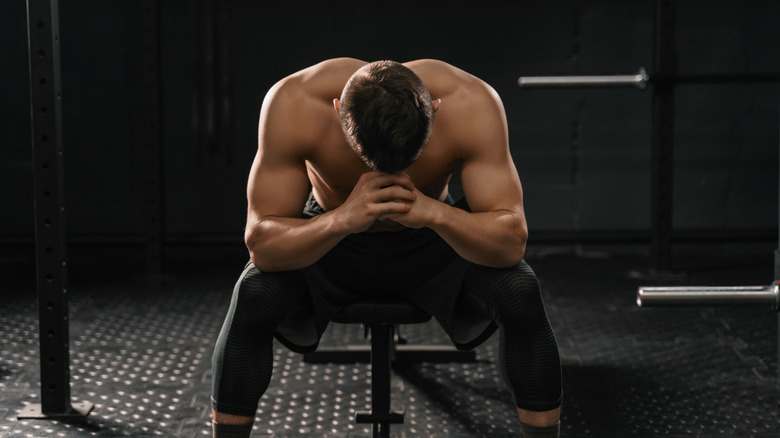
(386, 114)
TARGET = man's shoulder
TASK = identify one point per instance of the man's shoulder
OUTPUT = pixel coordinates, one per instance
(345, 64)
(313, 85)
(435, 70)
(447, 80)
(470, 110)
(328, 74)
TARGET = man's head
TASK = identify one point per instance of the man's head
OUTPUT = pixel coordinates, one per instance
(386, 114)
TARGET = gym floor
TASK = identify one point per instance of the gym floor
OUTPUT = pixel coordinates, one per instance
(142, 356)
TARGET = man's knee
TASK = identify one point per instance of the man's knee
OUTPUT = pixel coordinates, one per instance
(262, 299)
(512, 294)
(522, 296)
(523, 280)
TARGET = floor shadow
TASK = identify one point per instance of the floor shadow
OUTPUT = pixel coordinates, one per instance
(473, 403)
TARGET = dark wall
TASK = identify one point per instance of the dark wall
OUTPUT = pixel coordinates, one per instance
(583, 154)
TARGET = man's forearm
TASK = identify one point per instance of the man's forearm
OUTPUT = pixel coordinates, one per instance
(283, 244)
(496, 239)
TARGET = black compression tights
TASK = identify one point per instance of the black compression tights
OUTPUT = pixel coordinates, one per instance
(528, 353)
(529, 361)
(243, 356)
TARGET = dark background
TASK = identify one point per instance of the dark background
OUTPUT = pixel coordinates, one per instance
(583, 154)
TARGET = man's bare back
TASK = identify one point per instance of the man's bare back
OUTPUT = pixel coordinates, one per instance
(302, 149)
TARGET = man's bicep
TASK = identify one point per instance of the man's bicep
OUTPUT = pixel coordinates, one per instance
(278, 182)
(490, 183)
(488, 174)
(278, 186)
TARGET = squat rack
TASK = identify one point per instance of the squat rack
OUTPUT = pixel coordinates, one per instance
(50, 214)
(52, 266)
(47, 150)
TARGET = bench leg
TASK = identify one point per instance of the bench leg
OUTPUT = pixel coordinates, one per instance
(381, 355)
(384, 350)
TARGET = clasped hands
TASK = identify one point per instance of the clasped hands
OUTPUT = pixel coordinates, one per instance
(386, 196)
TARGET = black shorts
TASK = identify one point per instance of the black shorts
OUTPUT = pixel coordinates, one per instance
(415, 264)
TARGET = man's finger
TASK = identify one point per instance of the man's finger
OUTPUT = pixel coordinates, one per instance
(389, 179)
(395, 192)
(390, 209)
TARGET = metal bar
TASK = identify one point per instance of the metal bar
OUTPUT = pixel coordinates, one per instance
(381, 352)
(639, 80)
(50, 229)
(709, 296)
(642, 79)
(381, 347)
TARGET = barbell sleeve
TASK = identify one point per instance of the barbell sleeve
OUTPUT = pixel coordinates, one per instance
(709, 296)
(640, 80)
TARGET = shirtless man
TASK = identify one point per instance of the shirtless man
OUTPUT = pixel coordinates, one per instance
(348, 195)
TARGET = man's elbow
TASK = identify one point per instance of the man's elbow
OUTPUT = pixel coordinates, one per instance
(263, 264)
(264, 255)
(523, 241)
(519, 239)
(508, 255)
(517, 252)
(256, 260)
(512, 257)
(252, 242)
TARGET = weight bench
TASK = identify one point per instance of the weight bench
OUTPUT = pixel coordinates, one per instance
(380, 319)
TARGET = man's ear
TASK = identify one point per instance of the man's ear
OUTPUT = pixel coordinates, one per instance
(436, 104)
(336, 104)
